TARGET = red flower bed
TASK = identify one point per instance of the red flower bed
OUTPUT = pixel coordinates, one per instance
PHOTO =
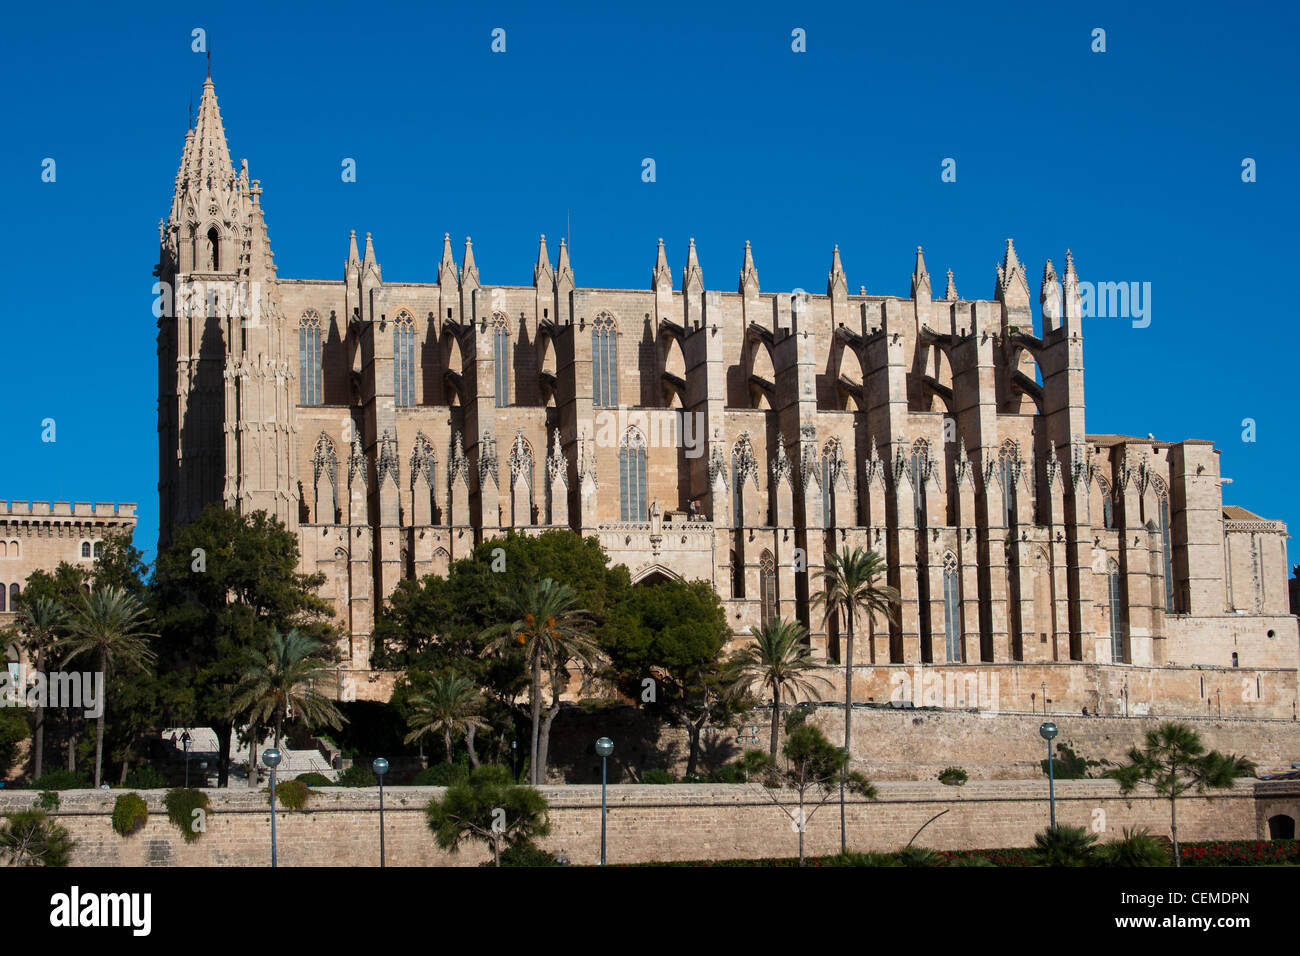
(1241, 853)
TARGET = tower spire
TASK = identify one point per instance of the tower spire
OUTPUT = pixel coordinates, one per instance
(661, 275)
(950, 293)
(836, 280)
(920, 278)
(748, 274)
(692, 275)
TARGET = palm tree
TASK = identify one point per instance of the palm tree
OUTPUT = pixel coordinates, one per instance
(1174, 762)
(451, 703)
(550, 627)
(109, 624)
(286, 675)
(779, 660)
(853, 587)
(40, 622)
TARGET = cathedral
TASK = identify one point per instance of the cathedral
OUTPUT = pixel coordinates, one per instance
(731, 436)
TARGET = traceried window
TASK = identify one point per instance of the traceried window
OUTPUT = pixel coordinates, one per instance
(917, 467)
(631, 476)
(767, 586)
(309, 359)
(404, 358)
(1116, 614)
(501, 358)
(1107, 506)
(1162, 506)
(951, 608)
(604, 360)
(831, 464)
(1008, 468)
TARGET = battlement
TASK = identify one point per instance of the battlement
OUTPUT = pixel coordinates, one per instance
(99, 511)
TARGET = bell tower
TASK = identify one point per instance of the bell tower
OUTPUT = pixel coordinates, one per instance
(225, 378)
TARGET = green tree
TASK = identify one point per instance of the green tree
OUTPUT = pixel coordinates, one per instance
(546, 622)
(673, 633)
(488, 808)
(108, 625)
(224, 586)
(41, 622)
(779, 661)
(1173, 762)
(814, 769)
(31, 838)
(286, 676)
(854, 587)
(449, 705)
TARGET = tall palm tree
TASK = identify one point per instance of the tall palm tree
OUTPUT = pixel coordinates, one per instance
(1175, 761)
(451, 704)
(286, 675)
(109, 625)
(854, 586)
(779, 660)
(41, 623)
(547, 623)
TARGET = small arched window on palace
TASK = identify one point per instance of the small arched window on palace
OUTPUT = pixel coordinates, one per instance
(767, 586)
(604, 361)
(309, 359)
(99, 549)
(404, 359)
(13, 597)
(631, 476)
(501, 358)
(3, 607)
(1116, 613)
(85, 549)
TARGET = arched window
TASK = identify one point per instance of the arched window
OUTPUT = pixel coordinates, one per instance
(604, 360)
(2, 598)
(99, 549)
(737, 576)
(501, 357)
(918, 467)
(831, 465)
(631, 476)
(1162, 507)
(15, 549)
(951, 608)
(85, 549)
(214, 250)
(1116, 614)
(404, 358)
(767, 586)
(13, 597)
(309, 359)
(1234, 659)
(1107, 506)
(1008, 472)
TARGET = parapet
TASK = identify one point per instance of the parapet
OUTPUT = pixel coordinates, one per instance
(99, 511)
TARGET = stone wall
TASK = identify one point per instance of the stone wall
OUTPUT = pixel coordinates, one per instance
(341, 826)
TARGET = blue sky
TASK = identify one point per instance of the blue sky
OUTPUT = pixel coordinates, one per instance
(1131, 157)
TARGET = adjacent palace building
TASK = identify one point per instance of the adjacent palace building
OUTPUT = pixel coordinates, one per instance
(730, 436)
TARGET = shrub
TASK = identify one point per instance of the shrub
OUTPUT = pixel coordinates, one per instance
(1065, 846)
(918, 856)
(730, 773)
(183, 806)
(1241, 853)
(953, 776)
(129, 814)
(358, 775)
(61, 780)
(524, 854)
(31, 838)
(442, 775)
(313, 779)
(1137, 847)
(146, 778)
(972, 860)
(290, 794)
(1068, 765)
(48, 801)
(657, 775)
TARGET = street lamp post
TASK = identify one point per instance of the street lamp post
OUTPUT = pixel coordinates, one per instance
(380, 767)
(271, 757)
(186, 741)
(604, 747)
(1048, 732)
